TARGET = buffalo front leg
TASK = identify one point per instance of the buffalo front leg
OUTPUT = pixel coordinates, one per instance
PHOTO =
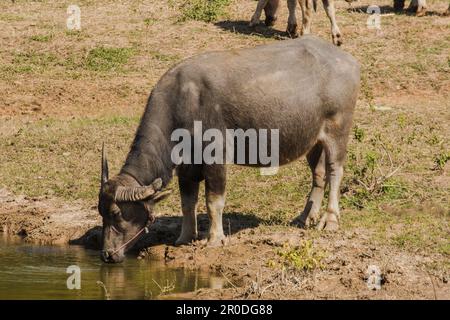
(307, 8)
(215, 181)
(419, 7)
(271, 12)
(316, 161)
(292, 19)
(257, 15)
(331, 13)
(189, 198)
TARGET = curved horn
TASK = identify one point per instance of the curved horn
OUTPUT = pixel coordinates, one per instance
(105, 171)
(130, 194)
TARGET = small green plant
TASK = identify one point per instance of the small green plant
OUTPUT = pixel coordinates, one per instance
(304, 257)
(372, 169)
(150, 21)
(107, 59)
(203, 10)
(42, 38)
(441, 160)
(164, 57)
(401, 120)
(358, 133)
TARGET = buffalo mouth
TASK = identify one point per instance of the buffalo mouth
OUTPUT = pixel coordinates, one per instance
(107, 257)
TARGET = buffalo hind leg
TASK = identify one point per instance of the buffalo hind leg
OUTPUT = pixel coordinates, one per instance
(331, 13)
(189, 197)
(335, 149)
(215, 181)
(316, 161)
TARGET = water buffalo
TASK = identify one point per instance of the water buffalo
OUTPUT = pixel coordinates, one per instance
(306, 88)
(271, 6)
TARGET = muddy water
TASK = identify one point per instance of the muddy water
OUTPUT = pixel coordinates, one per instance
(30, 271)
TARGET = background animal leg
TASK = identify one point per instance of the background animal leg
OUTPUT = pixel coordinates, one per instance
(292, 19)
(421, 8)
(331, 13)
(270, 11)
(307, 7)
(257, 15)
(399, 5)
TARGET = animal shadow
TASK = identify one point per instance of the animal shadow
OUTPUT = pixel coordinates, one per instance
(386, 9)
(91, 239)
(260, 30)
(166, 230)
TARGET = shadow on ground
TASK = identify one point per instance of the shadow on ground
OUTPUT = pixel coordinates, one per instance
(166, 229)
(386, 9)
(260, 30)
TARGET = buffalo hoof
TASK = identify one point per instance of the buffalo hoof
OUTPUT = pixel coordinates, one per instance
(270, 20)
(422, 12)
(412, 8)
(253, 22)
(185, 240)
(305, 222)
(292, 30)
(328, 222)
(337, 39)
(216, 241)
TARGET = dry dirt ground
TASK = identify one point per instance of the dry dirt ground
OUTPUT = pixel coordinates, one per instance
(63, 93)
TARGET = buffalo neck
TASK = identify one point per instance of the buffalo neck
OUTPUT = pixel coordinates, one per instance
(149, 157)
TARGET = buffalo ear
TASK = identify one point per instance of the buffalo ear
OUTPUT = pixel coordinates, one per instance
(161, 195)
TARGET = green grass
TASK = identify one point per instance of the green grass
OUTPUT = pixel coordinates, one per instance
(108, 59)
(29, 62)
(9, 17)
(56, 157)
(304, 257)
(164, 57)
(42, 37)
(150, 21)
(203, 10)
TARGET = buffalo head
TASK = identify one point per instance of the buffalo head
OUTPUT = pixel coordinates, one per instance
(126, 209)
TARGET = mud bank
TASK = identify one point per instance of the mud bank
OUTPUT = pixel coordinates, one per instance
(246, 262)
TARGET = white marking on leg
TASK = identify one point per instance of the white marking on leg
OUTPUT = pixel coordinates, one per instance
(215, 204)
(306, 15)
(331, 13)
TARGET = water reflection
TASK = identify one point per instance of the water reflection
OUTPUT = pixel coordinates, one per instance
(39, 272)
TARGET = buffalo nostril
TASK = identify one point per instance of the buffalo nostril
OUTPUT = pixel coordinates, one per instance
(106, 257)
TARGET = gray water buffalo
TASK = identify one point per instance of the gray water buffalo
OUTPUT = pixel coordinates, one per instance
(271, 6)
(305, 88)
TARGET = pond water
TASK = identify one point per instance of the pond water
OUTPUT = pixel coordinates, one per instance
(29, 271)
